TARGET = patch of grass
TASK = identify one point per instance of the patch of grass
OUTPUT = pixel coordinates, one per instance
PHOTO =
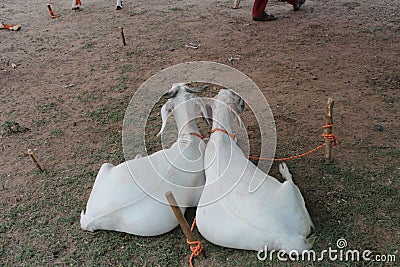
(57, 132)
(137, 51)
(105, 66)
(132, 13)
(88, 45)
(104, 115)
(127, 68)
(87, 97)
(111, 112)
(344, 201)
(39, 122)
(41, 49)
(52, 106)
(13, 127)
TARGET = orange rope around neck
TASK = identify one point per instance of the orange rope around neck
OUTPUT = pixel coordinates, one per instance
(196, 247)
(199, 136)
(232, 135)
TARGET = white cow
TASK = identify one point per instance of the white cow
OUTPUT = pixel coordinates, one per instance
(129, 197)
(228, 213)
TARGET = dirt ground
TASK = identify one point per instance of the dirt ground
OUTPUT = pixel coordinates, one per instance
(73, 80)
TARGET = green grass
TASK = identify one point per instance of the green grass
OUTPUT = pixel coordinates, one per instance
(13, 127)
(352, 202)
(40, 226)
(104, 115)
(87, 97)
(57, 132)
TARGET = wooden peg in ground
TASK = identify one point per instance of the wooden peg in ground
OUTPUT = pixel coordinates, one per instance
(33, 157)
(328, 130)
(121, 30)
(236, 4)
(181, 219)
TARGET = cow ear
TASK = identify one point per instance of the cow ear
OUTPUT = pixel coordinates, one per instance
(204, 111)
(170, 94)
(241, 105)
(241, 123)
(165, 110)
(208, 116)
(240, 101)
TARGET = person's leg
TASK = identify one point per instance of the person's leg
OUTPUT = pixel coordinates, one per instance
(119, 4)
(76, 4)
(259, 8)
(259, 13)
(296, 4)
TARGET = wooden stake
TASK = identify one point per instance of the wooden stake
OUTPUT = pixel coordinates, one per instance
(121, 30)
(181, 220)
(33, 157)
(328, 130)
(236, 4)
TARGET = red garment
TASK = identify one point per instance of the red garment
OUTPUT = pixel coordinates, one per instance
(259, 7)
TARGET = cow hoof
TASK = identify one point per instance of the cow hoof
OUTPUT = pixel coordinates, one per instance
(119, 7)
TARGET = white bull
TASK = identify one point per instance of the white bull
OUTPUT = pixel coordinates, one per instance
(228, 213)
(129, 197)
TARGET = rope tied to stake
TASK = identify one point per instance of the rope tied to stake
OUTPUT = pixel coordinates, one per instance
(330, 137)
(195, 246)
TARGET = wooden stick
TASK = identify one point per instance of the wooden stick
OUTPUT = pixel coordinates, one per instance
(181, 220)
(121, 30)
(236, 4)
(328, 130)
(33, 157)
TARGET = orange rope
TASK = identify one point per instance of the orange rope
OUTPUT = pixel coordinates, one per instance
(223, 131)
(199, 136)
(327, 126)
(330, 137)
(196, 247)
(289, 158)
(7, 26)
(193, 224)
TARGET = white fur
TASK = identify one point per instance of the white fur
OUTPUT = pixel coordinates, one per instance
(119, 4)
(228, 214)
(126, 197)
